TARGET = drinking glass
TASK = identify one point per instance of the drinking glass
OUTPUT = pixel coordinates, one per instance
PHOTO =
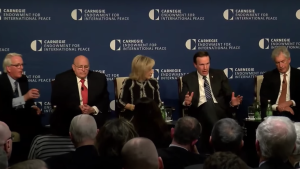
(251, 113)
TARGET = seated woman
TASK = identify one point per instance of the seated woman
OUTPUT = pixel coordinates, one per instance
(149, 123)
(138, 85)
(110, 141)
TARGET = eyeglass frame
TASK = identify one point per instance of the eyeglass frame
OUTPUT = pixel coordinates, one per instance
(18, 65)
(86, 67)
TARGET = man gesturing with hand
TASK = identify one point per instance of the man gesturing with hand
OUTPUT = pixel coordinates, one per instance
(207, 95)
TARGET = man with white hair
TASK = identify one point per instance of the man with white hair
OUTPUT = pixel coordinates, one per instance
(294, 159)
(83, 132)
(5, 140)
(17, 108)
(275, 142)
(281, 86)
(140, 153)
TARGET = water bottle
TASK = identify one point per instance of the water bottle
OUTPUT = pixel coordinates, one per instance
(269, 109)
(54, 107)
(163, 110)
(257, 115)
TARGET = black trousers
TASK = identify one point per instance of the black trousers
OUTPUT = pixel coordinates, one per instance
(207, 114)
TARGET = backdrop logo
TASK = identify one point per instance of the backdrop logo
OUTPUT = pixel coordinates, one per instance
(96, 15)
(22, 15)
(57, 46)
(169, 74)
(38, 78)
(173, 15)
(241, 73)
(134, 45)
(4, 49)
(39, 105)
(209, 44)
(109, 76)
(246, 14)
(44, 106)
(0, 14)
(155, 74)
(271, 43)
(298, 14)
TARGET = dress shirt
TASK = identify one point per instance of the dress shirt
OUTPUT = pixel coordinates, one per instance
(288, 94)
(19, 101)
(173, 145)
(80, 97)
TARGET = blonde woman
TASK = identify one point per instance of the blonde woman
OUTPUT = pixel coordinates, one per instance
(138, 85)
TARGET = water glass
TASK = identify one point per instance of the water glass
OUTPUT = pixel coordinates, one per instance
(251, 112)
(169, 114)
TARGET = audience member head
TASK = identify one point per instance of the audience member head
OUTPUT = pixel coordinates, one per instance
(187, 131)
(5, 139)
(140, 153)
(224, 160)
(81, 66)
(30, 164)
(83, 130)
(202, 62)
(275, 138)
(227, 135)
(141, 68)
(282, 58)
(3, 159)
(113, 135)
(146, 114)
(295, 157)
(13, 65)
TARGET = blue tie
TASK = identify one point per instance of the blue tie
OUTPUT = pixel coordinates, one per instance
(207, 89)
(16, 92)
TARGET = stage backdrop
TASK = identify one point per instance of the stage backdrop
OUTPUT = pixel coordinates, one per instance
(238, 35)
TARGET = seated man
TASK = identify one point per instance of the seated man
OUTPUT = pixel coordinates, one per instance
(275, 142)
(80, 91)
(140, 153)
(281, 86)
(224, 160)
(17, 107)
(182, 151)
(83, 132)
(5, 141)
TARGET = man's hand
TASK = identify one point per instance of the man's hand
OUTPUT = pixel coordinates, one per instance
(38, 110)
(235, 101)
(188, 98)
(284, 105)
(32, 94)
(86, 109)
(289, 109)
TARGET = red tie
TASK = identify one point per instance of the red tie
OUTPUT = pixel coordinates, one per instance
(84, 92)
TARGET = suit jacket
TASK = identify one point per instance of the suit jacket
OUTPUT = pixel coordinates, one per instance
(274, 164)
(8, 114)
(270, 88)
(84, 157)
(65, 95)
(179, 158)
(219, 84)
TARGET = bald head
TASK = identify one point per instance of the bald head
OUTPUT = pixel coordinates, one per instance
(81, 66)
(5, 132)
(140, 153)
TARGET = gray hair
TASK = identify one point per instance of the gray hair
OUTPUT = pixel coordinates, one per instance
(7, 60)
(83, 127)
(30, 164)
(281, 49)
(276, 136)
(296, 153)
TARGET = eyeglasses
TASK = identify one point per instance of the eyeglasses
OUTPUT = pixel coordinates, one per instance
(17, 65)
(82, 67)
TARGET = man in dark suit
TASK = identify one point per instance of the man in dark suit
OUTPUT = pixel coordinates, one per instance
(281, 86)
(207, 95)
(80, 91)
(275, 142)
(17, 108)
(83, 132)
(182, 151)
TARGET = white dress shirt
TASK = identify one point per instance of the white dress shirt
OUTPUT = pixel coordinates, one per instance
(202, 98)
(80, 97)
(288, 96)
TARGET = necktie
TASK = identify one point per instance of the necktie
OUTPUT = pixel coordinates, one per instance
(16, 92)
(84, 92)
(207, 89)
(282, 97)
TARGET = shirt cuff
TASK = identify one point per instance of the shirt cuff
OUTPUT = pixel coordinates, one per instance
(185, 105)
(18, 101)
(294, 103)
(274, 106)
(96, 110)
